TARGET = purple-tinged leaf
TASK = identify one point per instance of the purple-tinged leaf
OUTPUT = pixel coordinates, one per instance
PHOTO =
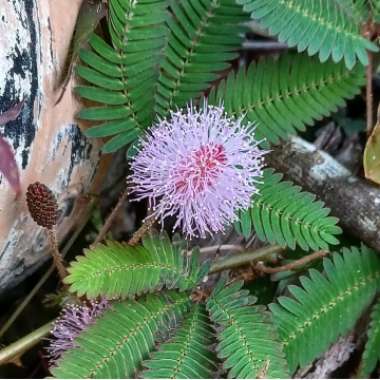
(11, 114)
(8, 165)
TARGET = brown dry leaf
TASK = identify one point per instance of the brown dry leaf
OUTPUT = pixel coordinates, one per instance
(12, 113)
(8, 164)
(371, 157)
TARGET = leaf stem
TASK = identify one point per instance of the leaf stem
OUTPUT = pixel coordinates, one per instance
(57, 258)
(17, 348)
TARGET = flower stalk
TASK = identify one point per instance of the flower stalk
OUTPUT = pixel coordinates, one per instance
(145, 228)
(57, 257)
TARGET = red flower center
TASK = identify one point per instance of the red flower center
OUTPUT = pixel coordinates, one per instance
(200, 168)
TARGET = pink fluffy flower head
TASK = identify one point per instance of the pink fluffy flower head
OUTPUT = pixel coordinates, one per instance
(72, 321)
(199, 165)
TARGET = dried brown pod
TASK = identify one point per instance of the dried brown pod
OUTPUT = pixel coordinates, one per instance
(42, 205)
(43, 208)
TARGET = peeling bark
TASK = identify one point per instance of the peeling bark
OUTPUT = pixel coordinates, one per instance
(338, 354)
(355, 201)
(47, 142)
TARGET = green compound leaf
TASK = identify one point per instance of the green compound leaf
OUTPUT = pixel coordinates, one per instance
(283, 214)
(327, 27)
(122, 78)
(204, 36)
(374, 6)
(283, 96)
(187, 354)
(371, 354)
(358, 10)
(121, 338)
(326, 305)
(118, 270)
(248, 341)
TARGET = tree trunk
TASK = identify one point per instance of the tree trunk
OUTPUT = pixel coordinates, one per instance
(47, 142)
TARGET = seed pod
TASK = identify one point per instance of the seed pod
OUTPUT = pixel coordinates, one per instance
(42, 205)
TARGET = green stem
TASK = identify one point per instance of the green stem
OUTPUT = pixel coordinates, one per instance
(14, 350)
(244, 258)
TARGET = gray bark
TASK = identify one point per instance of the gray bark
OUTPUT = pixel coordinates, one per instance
(355, 201)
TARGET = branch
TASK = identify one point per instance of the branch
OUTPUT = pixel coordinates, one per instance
(355, 201)
(221, 248)
(244, 258)
(264, 46)
(111, 217)
(293, 265)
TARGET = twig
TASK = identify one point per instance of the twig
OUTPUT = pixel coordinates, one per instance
(369, 94)
(145, 227)
(244, 258)
(258, 29)
(25, 343)
(111, 217)
(264, 45)
(41, 282)
(293, 265)
(221, 248)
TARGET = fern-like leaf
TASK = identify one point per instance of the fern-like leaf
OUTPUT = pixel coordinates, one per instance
(123, 77)
(327, 305)
(248, 341)
(371, 354)
(187, 355)
(204, 36)
(374, 6)
(283, 214)
(119, 270)
(121, 338)
(357, 10)
(282, 96)
(325, 27)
